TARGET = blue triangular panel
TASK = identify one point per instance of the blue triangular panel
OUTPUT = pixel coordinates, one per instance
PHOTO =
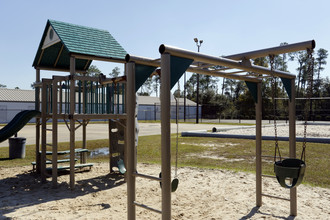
(142, 72)
(179, 65)
(253, 88)
(287, 86)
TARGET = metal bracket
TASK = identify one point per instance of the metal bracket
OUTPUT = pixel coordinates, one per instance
(246, 62)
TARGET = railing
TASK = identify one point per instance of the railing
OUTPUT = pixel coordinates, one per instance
(91, 96)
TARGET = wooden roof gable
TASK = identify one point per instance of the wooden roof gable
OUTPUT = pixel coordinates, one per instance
(60, 40)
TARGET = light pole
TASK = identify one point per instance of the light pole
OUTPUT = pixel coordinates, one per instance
(198, 44)
(184, 98)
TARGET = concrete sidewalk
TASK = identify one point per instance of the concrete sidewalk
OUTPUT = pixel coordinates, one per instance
(100, 131)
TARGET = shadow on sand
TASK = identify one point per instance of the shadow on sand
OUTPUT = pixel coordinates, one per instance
(26, 189)
(256, 210)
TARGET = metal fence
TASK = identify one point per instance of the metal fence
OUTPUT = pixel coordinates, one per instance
(152, 112)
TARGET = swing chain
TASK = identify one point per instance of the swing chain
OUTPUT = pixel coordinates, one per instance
(308, 107)
(273, 83)
(177, 137)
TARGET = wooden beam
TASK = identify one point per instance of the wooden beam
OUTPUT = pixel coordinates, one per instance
(58, 55)
(87, 63)
(90, 57)
(57, 69)
(42, 53)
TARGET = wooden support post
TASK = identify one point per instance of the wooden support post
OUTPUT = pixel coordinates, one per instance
(84, 126)
(54, 134)
(43, 132)
(72, 121)
(37, 108)
(292, 143)
(110, 148)
(165, 101)
(83, 158)
(130, 141)
(258, 147)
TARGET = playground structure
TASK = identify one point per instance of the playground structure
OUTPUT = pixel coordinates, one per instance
(174, 62)
(77, 98)
(66, 47)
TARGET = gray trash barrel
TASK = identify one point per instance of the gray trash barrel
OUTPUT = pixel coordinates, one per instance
(17, 147)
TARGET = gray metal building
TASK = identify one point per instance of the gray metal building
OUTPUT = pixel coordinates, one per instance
(13, 101)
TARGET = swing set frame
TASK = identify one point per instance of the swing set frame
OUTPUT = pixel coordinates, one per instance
(237, 67)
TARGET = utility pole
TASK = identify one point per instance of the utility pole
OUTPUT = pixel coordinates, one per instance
(184, 97)
(198, 44)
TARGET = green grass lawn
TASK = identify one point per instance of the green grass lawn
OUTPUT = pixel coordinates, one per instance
(214, 153)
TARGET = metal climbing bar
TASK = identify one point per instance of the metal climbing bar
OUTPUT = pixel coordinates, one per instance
(147, 176)
(268, 176)
(273, 50)
(275, 197)
(208, 59)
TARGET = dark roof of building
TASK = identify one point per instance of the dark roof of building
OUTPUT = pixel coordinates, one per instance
(60, 40)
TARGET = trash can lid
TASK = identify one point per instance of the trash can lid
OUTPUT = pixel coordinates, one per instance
(17, 138)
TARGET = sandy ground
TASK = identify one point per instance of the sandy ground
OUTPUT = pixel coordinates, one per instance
(313, 130)
(202, 194)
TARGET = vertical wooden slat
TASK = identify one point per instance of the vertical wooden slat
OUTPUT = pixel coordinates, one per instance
(43, 131)
(54, 133)
(72, 122)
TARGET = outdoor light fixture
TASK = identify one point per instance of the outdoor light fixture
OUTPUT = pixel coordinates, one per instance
(197, 89)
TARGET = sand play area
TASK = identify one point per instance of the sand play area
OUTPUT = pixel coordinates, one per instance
(202, 194)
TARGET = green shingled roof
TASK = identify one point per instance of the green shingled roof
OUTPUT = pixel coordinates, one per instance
(75, 40)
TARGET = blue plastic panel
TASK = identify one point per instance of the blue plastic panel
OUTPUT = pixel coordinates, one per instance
(179, 65)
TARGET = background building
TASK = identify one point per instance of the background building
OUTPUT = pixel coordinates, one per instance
(13, 101)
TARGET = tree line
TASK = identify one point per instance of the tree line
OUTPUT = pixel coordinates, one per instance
(233, 99)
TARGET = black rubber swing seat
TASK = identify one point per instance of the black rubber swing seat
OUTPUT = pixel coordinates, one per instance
(290, 168)
(174, 183)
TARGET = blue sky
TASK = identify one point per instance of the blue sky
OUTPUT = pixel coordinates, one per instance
(227, 27)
